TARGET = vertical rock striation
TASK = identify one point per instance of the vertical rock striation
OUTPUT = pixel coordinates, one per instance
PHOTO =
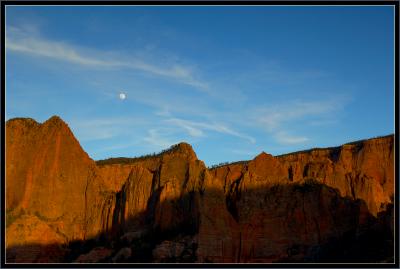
(270, 209)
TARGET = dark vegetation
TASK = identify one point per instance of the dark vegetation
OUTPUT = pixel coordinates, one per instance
(226, 163)
(127, 160)
(337, 148)
(334, 154)
(21, 118)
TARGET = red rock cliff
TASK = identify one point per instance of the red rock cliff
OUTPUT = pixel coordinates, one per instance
(268, 209)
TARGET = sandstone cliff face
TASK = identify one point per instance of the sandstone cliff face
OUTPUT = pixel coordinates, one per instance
(170, 207)
(158, 192)
(64, 196)
(48, 176)
(293, 202)
(283, 222)
(364, 170)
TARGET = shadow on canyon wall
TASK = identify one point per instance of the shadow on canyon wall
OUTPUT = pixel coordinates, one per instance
(337, 229)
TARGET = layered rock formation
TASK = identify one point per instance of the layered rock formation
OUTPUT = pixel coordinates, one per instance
(171, 208)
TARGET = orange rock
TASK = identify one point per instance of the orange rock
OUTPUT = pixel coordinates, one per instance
(264, 210)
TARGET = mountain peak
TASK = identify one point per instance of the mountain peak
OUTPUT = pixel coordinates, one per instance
(27, 121)
(263, 155)
(55, 120)
(182, 148)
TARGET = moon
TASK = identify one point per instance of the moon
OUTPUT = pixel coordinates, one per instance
(122, 96)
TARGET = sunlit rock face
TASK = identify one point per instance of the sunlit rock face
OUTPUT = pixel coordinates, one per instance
(286, 206)
(362, 170)
(316, 205)
(49, 176)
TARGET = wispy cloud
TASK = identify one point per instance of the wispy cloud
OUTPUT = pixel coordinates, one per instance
(275, 119)
(156, 138)
(122, 133)
(163, 112)
(229, 111)
(284, 138)
(22, 41)
(196, 129)
(102, 128)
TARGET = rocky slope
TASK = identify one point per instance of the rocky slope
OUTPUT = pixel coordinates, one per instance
(171, 208)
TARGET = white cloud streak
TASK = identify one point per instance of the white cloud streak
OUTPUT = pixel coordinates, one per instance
(284, 138)
(102, 128)
(18, 40)
(273, 119)
(196, 129)
(156, 139)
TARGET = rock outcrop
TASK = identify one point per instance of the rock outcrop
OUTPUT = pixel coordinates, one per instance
(360, 170)
(49, 176)
(170, 207)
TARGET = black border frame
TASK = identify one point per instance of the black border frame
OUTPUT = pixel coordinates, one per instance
(394, 3)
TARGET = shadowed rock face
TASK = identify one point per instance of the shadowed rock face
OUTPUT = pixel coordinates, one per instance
(170, 207)
(363, 170)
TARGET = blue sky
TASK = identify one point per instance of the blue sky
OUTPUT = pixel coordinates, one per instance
(231, 81)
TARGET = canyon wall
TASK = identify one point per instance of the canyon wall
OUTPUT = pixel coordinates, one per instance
(170, 207)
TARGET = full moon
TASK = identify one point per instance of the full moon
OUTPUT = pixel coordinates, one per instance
(122, 96)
